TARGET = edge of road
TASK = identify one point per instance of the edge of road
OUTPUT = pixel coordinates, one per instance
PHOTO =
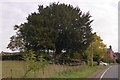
(104, 72)
(100, 73)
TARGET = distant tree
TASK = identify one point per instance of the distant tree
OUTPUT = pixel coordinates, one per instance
(96, 50)
(56, 27)
(118, 57)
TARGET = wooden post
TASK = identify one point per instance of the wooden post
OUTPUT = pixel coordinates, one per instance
(11, 73)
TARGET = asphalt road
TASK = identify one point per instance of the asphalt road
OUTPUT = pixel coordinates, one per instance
(112, 72)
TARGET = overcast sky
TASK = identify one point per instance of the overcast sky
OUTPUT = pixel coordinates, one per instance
(103, 12)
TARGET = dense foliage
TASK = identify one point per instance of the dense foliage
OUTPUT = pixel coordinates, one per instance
(96, 50)
(57, 28)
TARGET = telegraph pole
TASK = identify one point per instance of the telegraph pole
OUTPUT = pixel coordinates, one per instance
(91, 57)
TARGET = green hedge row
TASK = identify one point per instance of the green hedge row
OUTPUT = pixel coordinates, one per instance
(12, 57)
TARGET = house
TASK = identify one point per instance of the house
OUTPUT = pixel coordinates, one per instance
(110, 54)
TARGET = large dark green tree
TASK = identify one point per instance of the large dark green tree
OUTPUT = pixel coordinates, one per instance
(58, 27)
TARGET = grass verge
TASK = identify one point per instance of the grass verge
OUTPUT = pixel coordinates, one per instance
(83, 72)
(16, 69)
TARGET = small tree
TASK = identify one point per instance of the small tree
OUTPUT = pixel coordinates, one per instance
(33, 63)
(96, 50)
(43, 63)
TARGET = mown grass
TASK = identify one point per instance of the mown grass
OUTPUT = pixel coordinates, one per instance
(17, 69)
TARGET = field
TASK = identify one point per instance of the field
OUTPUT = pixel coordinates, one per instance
(17, 69)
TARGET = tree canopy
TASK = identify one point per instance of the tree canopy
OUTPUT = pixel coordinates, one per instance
(97, 49)
(57, 27)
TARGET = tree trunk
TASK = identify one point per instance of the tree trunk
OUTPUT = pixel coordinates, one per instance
(57, 55)
(26, 73)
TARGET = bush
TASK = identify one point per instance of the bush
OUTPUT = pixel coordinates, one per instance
(108, 60)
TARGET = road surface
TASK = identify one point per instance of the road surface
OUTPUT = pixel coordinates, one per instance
(111, 72)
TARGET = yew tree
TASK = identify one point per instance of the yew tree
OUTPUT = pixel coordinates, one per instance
(57, 27)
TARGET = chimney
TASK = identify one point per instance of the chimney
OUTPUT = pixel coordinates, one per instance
(110, 47)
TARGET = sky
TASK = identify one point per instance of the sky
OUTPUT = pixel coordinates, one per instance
(103, 12)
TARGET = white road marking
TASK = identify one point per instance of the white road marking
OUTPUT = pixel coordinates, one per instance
(104, 73)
